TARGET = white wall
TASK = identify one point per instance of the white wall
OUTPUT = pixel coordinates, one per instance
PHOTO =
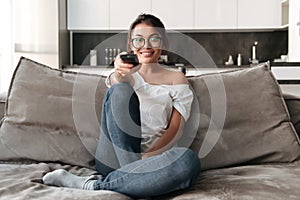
(6, 50)
(294, 31)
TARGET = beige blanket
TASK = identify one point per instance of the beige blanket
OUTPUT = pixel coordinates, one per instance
(23, 181)
(258, 182)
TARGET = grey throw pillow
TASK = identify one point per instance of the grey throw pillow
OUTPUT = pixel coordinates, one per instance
(51, 115)
(243, 119)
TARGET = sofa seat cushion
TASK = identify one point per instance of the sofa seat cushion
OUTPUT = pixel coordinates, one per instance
(24, 181)
(267, 182)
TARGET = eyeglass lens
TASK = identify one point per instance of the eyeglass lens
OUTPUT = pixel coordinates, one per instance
(139, 42)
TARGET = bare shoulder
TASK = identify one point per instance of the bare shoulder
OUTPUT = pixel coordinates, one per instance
(176, 77)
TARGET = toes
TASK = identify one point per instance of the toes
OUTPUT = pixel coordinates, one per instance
(51, 177)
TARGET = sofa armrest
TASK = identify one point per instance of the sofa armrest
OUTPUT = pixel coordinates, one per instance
(2, 104)
(293, 105)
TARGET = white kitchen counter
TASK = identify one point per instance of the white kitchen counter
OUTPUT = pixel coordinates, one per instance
(189, 71)
(286, 72)
(90, 70)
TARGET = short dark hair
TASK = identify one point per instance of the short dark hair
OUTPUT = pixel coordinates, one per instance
(150, 20)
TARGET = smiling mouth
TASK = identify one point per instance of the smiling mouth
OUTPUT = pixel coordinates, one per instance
(147, 54)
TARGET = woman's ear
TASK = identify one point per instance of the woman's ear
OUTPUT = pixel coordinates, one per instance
(129, 49)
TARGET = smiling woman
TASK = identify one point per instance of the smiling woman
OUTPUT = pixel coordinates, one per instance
(142, 120)
(6, 45)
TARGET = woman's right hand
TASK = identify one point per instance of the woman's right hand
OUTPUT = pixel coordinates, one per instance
(122, 69)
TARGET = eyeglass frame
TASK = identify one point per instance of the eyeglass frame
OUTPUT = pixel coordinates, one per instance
(148, 40)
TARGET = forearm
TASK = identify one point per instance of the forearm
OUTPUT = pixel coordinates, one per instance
(114, 78)
(170, 136)
(165, 142)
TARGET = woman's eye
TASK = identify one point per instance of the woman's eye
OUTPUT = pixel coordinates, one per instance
(155, 39)
(139, 39)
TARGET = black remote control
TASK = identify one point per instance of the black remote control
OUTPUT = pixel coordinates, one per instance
(130, 58)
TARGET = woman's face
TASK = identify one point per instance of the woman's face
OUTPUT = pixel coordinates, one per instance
(146, 43)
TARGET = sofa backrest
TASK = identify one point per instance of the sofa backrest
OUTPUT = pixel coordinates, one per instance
(241, 117)
(2, 104)
(2, 109)
(292, 102)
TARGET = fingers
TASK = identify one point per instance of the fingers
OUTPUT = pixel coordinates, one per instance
(122, 69)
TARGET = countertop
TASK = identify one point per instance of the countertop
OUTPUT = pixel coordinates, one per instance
(169, 66)
(276, 64)
(190, 71)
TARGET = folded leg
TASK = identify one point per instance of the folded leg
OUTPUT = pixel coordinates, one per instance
(173, 170)
(120, 137)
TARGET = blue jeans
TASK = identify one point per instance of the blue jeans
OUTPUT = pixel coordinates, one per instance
(118, 155)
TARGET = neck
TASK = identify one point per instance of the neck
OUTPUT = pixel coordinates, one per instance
(148, 68)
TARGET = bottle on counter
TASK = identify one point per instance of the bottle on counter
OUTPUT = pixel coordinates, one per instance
(93, 57)
(239, 60)
(230, 60)
(106, 56)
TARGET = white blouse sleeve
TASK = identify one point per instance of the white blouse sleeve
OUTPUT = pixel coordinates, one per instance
(182, 97)
(107, 80)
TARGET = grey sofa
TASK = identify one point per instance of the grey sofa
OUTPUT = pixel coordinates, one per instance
(2, 104)
(241, 126)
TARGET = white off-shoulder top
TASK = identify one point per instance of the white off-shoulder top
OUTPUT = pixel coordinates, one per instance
(156, 104)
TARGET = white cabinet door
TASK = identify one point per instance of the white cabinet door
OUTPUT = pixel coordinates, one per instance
(215, 14)
(294, 31)
(175, 14)
(88, 15)
(259, 14)
(123, 13)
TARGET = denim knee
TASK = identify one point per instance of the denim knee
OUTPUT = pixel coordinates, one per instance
(122, 113)
(123, 97)
(188, 164)
(185, 154)
(193, 164)
(122, 88)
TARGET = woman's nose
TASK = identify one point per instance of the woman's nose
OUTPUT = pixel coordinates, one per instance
(147, 44)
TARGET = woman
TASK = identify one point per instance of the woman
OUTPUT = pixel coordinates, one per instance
(143, 115)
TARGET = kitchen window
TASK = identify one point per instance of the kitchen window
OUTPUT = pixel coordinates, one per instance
(6, 50)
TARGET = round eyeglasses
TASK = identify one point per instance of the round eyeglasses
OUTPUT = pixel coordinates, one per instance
(139, 42)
